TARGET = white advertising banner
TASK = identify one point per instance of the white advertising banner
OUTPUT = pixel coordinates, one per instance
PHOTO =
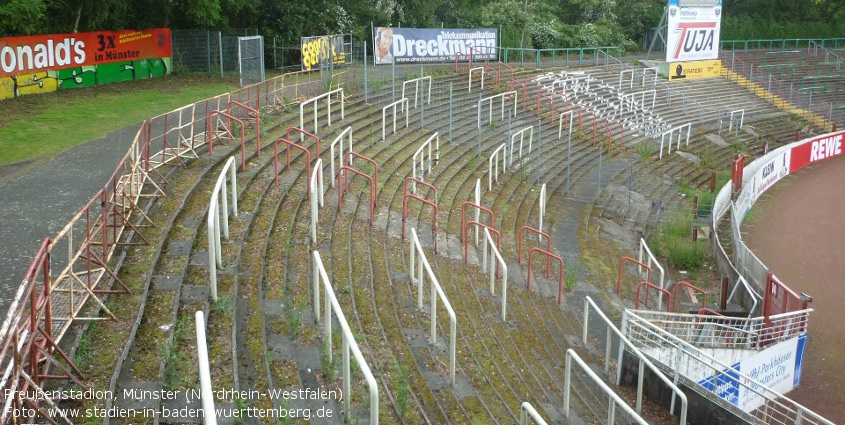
(693, 32)
(423, 45)
(777, 367)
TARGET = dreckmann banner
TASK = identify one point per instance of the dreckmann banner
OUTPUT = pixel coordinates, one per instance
(422, 45)
(693, 32)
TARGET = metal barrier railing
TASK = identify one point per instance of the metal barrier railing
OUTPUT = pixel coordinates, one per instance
(405, 107)
(348, 340)
(613, 399)
(526, 410)
(493, 165)
(339, 141)
(419, 85)
(328, 96)
(216, 220)
(490, 99)
(692, 365)
(316, 187)
(495, 258)
(641, 359)
(419, 158)
(469, 78)
(521, 135)
(418, 262)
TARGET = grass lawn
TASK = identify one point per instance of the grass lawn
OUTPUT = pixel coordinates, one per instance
(41, 126)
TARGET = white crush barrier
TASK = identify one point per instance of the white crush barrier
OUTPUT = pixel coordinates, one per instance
(216, 220)
(420, 160)
(493, 165)
(401, 102)
(491, 99)
(328, 96)
(419, 86)
(209, 414)
(316, 187)
(418, 261)
(349, 343)
(347, 134)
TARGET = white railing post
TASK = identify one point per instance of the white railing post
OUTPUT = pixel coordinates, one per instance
(404, 103)
(209, 415)
(477, 211)
(490, 99)
(493, 163)
(215, 255)
(542, 208)
(615, 400)
(494, 252)
(329, 104)
(526, 410)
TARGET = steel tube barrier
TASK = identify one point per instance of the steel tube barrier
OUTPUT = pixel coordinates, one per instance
(524, 89)
(741, 120)
(228, 127)
(500, 262)
(316, 186)
(608, 133)
(328, 96)
(307, 160)
(491, 70)
(614, 399)
(215, 248)
(640, 266)
(458, 55)
(671, 134)
(490, 99)
(349, 156)
(302, 134)
(493, 165)
(424, 201)
(477, 199)
(184, 132)
(526, 410)
(405, 107)
(418, 258)
(643, 361)
(465, 238)
(540, 235)
(209, 414)
(521, 134)
(339, 140)
(419, 158)
(413, 188)
(684, 360)
(549, 255)
(348, 341)
(419, 84)
(690, 287)
(248, 120)
(478, 209)
(648, 286)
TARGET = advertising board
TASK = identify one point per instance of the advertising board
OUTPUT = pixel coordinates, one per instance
(816, 149)
(692, 70)
(321, 51)
(423, 45)
(777, 367)
(37, 53)
(693, 32)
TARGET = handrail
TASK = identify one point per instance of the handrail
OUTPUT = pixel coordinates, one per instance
(339, 140)
(549, 255)
(643, 361)
(289, 143)
(615, 400)
(316, 185)
(404, 103)
(209, 414)
(420, 154)
(329, 105)
(436, 290)
(349, 341)
(215, 256)
(229, 118)
(302, 134)
(257, 122)
(493, 164)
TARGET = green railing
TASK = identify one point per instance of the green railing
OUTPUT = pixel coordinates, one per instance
(785, 43)
(554, 57)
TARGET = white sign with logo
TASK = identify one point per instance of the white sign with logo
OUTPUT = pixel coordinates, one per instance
(693, 32)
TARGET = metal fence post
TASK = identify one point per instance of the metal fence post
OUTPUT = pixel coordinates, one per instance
(393, 82)
(422, 96)
(220, 48)
(539, 148)
(450, 112)
(366, 95)
(598, 182)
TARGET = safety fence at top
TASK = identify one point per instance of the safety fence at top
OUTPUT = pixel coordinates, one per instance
(783, 44)
(755, 179)
(82, 254)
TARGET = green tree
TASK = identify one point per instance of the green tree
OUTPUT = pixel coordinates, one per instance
(22, 17)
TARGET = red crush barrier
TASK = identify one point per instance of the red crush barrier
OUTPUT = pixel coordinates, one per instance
(622, 263)
(686, 283)
(307, 161)
(649, 286)
(211, 133)
(465, 229)
(257, 122)
(340, 189)
(405, 214)
(560, 271)
(305, 133)
(479, 207)
(538, 233)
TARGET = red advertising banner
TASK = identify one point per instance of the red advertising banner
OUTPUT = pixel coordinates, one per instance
(815, 150)
(30, 54)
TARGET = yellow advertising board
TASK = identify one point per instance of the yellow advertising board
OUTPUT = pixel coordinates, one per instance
(691, 70)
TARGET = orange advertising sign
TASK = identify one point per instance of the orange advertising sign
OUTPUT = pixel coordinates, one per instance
(29, 54)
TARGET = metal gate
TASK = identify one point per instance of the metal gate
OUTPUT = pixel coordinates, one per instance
(251, 59)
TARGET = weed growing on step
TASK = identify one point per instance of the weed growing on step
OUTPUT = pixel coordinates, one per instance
(222, 305)
(171, 356)
(402, 390)
(570, 276)
(293, 317)
(644, 150)
(328, 362)
(673, 240)
(241, 405)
